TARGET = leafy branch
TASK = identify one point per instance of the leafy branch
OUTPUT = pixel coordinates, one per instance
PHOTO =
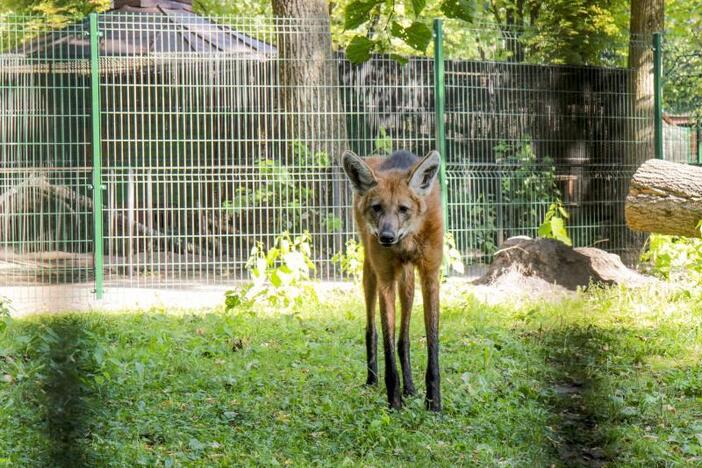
(402, 21)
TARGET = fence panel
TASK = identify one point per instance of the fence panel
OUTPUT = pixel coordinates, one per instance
(681, 112)
(522, 135)
(45, 165)
(216, 134)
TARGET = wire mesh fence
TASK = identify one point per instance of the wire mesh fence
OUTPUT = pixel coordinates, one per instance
(45, 206)
(681, 84)
(217, 134)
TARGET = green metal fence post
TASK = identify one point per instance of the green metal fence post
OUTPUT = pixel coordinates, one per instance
(698, 141)
(98, 263)
(439, 112)
(658, 94)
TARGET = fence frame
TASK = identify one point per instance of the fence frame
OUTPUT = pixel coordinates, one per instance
(440, 113)
(96, 149)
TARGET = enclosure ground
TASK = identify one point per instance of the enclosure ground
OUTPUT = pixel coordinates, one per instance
(611, 377)
(80, 297)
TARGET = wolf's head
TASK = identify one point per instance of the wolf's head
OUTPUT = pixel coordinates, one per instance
(392, 201)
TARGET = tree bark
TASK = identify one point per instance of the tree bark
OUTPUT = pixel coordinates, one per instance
(665, 198)
(647, 17)
(314, 115)
(309, 77)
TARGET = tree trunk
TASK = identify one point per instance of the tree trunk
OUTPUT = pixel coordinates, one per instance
(310, 99)
(665, 198)
(309, 77)
(647, 17)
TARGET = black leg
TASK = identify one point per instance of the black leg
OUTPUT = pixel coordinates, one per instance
(370, 289)
(430, 294)
(406, 291)
(387, 318)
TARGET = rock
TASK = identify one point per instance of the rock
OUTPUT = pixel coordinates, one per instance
(556, 263)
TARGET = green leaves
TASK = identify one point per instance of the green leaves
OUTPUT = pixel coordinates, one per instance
(459, 9)
(452, 256)
(386, 24)
(554, 225)
(359, 49)
(358, 12)
(417, 35)
(351, 261)
(418, 6)
(278, 275)
(674, 257)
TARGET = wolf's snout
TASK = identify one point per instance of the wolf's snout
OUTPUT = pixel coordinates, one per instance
(387, 238)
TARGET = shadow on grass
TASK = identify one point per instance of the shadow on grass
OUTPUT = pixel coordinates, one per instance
(576, 355)
(67, 352)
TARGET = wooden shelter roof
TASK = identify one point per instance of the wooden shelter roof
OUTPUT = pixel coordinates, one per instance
(146, 27)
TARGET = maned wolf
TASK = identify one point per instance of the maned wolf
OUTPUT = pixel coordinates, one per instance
(397, 208)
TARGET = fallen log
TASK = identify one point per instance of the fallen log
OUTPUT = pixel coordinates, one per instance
(13, 202)
(665, 198)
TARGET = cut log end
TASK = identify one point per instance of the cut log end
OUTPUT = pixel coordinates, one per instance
(665, 198)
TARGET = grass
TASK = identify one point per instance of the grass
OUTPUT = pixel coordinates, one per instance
(611, 377)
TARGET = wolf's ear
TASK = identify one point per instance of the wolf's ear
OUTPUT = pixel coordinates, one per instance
(358, 172)
(422, 177)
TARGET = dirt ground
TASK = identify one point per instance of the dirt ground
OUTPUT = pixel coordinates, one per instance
(79, 297)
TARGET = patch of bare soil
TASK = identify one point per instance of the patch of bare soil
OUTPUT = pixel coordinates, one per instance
(546, 269)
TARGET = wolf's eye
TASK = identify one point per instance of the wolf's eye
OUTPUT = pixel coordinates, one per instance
(377, 207)
(403, 209)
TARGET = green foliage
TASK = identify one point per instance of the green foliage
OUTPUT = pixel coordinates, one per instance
(304, 157)
(459, 9)
(483, 218)
(554, 31)
(388, 22)
(284, 192)
(452, 258)
(417, 35)
(279, 276)
(682, 60)
(383, 142)
(52, 13)
(577, 32)
(4, 314)
(245, 8)
(674, 257)
(529, 185)
(359, 49)
(554, 225)
(350, 260)
(357, 12)
(281, 191)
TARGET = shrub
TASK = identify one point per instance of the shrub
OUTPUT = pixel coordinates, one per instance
(4, 314)
(278, 275)
(674, 256)
(350, 261)
(554, 225)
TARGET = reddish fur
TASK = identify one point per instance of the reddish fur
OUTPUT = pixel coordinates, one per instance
(386, 268)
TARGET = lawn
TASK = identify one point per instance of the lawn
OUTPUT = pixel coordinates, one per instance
(610, 377)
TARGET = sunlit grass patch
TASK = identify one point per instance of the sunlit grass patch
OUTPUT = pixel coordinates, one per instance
(610, 375)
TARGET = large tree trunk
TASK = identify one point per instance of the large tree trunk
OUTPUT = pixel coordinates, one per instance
(665, 198)
(647, 17)
(310, 98)
(309, 77)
